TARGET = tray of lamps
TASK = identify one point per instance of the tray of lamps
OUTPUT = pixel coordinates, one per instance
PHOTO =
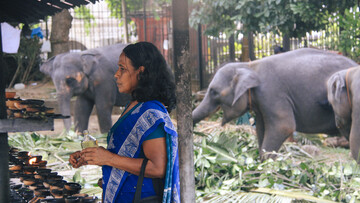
(29, 108)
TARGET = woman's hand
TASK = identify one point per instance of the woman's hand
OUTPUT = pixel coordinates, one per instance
(96, 156)
(75, 159)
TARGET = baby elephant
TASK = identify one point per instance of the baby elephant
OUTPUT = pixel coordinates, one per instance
(344, 96)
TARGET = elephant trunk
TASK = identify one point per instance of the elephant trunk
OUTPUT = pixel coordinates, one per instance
(64, 105)
(205, 108)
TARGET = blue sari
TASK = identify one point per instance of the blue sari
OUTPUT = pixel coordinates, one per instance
(126, 138)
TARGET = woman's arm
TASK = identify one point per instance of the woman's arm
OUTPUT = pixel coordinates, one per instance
(154, 150)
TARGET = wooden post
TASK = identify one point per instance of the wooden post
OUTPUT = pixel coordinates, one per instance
(183, 93)
(4, 147)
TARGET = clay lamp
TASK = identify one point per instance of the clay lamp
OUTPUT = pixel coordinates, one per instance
(43, 170)
(24, 176)
(57, 185)
(42, 192)
(53, 200)
(29, 181)
(90, 199)
(57, 193)
(16, 168)
(48, 182)
(41, 164)
(29, 169)
(36, 185)
(72, 199)
(23, 155)
(14, 151)
(72, 188)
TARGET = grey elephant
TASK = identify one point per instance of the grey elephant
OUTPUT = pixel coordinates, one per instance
(286, 91)
(89, 75)
(344, 96)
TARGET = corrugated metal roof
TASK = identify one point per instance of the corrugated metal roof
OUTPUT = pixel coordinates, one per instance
(31, 11)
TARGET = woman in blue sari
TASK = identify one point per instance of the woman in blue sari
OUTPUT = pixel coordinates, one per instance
(143, 131)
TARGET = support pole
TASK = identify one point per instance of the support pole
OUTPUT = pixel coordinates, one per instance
(201, 64)
(183, 93)
(4, 147)
(144, 16)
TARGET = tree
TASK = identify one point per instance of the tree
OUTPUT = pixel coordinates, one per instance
(292, 18)
(60, 28)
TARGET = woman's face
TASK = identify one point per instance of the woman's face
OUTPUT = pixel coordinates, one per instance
(126, 75)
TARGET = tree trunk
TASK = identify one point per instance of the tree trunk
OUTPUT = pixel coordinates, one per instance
(232, 47)
(251, 46)
(60, 28)
(286, 42)
(182, 68)
(245, 49)
(124, 15)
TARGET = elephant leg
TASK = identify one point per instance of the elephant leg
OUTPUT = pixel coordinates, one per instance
(277, 129)
(354, 140)
(104, 115)
(83, 108)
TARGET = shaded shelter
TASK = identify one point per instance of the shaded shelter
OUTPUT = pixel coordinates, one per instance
(20, 11)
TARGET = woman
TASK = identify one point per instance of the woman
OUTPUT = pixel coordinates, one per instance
(143, 130)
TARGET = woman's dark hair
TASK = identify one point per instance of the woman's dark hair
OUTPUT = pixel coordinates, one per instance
(156, 82)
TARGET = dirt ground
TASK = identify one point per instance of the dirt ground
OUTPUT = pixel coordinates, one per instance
(46, 91)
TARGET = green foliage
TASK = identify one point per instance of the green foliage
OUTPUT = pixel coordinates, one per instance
(290, 17)
(115, 6)
(349, 42)
(228, 161)
(84, 13)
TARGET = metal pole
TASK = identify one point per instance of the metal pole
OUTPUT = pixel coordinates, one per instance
(183, 92)
(201, 64)
(4, 147)
(144, 16)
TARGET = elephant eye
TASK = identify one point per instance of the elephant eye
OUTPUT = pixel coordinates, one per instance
(213, 92)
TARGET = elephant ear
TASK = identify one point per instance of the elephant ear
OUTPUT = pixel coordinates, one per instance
(47, 67)
(335, 85)
(243, 80)
(89, 62)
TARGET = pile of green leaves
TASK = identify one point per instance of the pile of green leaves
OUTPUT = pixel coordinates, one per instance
(227, 162)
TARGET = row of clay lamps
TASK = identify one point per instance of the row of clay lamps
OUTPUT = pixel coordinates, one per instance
(40, 183)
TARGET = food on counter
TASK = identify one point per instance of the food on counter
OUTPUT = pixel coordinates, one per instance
(10, 95)
(29, 108)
